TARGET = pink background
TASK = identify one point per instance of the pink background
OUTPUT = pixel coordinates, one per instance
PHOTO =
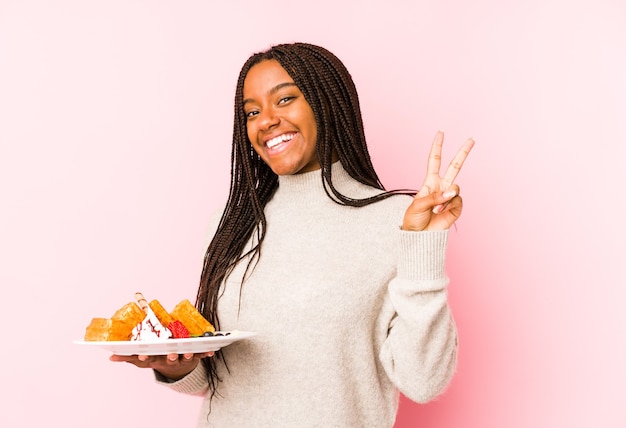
(115, 120)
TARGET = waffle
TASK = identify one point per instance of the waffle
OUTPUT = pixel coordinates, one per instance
(187, 313)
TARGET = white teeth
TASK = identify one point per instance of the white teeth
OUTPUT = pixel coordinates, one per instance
(277, 140)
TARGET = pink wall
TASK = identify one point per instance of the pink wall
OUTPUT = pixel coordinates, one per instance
(114, 147)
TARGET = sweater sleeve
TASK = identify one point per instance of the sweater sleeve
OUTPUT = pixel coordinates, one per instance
(195, 383)
(420, 351)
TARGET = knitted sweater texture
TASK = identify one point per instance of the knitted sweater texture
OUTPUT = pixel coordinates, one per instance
(349, 309)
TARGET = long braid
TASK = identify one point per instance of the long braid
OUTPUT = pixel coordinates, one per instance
(328, 88)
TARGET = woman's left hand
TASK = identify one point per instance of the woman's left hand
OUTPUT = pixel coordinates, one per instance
(438, 205)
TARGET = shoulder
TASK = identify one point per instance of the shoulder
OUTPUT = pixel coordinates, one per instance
(394, 201)
(393, 207)
(389, 210)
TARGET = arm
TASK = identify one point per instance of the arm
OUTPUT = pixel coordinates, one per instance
(184, 373)
(419, 354)
(194, 383)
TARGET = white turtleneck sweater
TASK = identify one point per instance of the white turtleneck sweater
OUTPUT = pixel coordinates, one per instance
(349, 310)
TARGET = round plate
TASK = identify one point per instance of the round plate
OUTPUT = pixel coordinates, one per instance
(195, 345)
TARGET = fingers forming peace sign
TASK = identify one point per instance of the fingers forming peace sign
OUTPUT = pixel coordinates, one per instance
(438, 205)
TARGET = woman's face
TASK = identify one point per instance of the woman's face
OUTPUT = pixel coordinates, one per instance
(280, 122)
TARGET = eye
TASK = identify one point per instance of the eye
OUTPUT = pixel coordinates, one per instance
(251, 114)
(284, 100)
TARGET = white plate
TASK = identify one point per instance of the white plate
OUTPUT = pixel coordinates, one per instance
(190, 345)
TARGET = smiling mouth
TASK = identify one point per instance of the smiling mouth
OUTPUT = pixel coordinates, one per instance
(279, 140)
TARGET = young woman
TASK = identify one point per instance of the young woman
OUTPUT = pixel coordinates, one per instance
(343, 281)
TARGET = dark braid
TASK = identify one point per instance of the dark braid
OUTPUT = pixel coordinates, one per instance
(328, 88)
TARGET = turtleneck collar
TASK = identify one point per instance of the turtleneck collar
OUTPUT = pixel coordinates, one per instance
(309, 187)
(311, 182)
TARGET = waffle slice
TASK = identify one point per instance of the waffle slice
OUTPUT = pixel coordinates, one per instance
(187, 313)
(164, 317)
(105, 329)
(130, 314)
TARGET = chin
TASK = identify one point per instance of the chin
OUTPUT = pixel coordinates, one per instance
(285, 169)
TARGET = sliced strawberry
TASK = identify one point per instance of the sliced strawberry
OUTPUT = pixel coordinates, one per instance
(178, 329)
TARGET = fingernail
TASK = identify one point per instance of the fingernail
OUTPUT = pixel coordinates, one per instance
(188, 356)
(172, 357)
(437, 209)
(142, 357)
(449, 194)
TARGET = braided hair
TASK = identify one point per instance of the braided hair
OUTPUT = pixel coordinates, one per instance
(328, 88)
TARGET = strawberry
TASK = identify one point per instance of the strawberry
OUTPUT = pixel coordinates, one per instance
(178, 329)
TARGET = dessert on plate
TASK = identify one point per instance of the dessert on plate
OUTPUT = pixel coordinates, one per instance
(143, 321)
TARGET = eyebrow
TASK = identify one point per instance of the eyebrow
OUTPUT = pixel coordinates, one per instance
(273, 90)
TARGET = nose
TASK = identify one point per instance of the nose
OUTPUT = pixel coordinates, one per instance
(267, 119)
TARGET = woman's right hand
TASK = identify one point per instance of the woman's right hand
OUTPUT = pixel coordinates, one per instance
(172, 366)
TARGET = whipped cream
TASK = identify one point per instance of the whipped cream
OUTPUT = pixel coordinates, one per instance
(150, 328)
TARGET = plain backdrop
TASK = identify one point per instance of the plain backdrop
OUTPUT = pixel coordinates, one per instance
(115, 126)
